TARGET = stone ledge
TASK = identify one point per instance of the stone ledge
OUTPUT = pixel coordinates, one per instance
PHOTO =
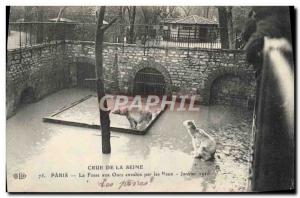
(157, 47)
(23, 48)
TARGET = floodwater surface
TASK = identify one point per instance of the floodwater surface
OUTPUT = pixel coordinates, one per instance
(161, 160)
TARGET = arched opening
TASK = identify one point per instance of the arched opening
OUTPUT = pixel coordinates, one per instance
(27, 96)
(86, 75)
(149, 81)
(231, 90)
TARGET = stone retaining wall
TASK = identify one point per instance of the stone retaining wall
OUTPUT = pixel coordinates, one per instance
(41, 68)
(49, 67)
(191, 72)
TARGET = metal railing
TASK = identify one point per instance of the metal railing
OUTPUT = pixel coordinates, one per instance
(159, 36)
(22, 34)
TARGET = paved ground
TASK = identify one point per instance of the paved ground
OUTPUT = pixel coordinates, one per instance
(41, 149)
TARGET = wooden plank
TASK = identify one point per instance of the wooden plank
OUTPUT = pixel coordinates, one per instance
(52, 119)
(64, 108)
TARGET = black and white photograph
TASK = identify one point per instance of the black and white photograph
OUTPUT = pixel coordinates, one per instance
(150, 99)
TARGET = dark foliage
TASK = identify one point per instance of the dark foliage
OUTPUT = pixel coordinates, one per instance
(273, 22)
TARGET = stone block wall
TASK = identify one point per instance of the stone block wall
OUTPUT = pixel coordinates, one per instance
(47, 68)
(232, 90)
(189, 72)
(41, 68)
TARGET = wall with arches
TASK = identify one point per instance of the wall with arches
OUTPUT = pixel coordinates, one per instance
(42, 69)
(148, 64)
(54, 66)
(189, 72)
(239, 78)
(232, 89)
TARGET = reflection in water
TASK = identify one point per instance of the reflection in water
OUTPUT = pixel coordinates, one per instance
(206, 170)
(33, 146)
(106, 159)
(136, 149)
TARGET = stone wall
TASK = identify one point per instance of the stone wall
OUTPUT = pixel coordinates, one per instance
(41, 68)
(232, 90)
(186, 71)
(49, 67)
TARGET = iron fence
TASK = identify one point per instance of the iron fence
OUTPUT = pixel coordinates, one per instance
(22, 34)
(149, 81)
(159, 36)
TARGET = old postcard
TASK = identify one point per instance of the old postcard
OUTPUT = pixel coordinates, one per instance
(150, 99)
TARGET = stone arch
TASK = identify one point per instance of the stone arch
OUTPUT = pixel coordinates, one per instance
(110, 72)
(75, 70)
(246, 75)
(27, 95)
(154, 65)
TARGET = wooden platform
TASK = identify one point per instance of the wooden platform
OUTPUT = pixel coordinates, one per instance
(85, 113)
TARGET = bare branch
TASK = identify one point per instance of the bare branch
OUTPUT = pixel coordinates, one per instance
(128, 10)
(110, 23)
(187, 9)
(60, 13)
(144, 11)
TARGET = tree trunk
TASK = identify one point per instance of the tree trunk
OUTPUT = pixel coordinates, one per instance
(59, 16)
(28, 15)
(104, 115)
(60, 28)
(223, 27)
(132, 19)
(230, 27)
(122, 24)
(207, 12)
(40, 27)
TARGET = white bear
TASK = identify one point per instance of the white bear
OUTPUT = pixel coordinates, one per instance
(204, 144)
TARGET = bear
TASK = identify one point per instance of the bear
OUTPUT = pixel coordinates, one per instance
(204, 144)
(138, 119)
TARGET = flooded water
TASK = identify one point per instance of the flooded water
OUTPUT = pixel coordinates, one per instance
(41, 149)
